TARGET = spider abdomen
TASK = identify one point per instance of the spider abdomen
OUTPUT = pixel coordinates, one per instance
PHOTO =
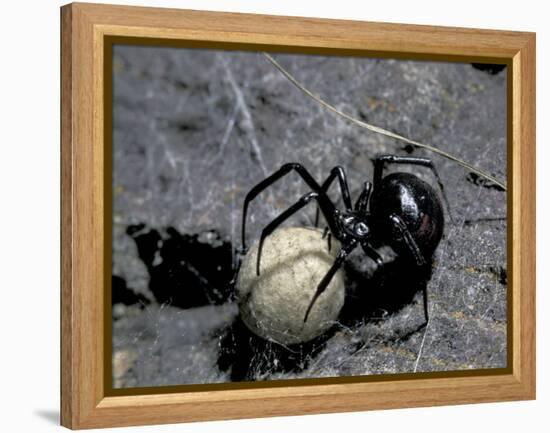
(416, 203)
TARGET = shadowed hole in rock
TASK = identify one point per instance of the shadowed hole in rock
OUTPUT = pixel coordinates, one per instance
(249, 357)
(472, 222)
(476, 179)
(185, 270)
(122, 294)
(490, 68)
(409, 148)
(386, 290)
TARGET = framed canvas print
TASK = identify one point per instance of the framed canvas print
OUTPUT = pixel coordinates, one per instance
(271, 216)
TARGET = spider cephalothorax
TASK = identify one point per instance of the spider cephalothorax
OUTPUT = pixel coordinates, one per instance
(405, 213)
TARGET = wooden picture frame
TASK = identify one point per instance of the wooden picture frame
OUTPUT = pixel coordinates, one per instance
(86, 398)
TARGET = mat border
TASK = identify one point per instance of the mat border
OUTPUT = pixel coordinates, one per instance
(88, 32)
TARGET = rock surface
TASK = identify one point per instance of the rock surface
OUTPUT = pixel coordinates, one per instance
(194, 130)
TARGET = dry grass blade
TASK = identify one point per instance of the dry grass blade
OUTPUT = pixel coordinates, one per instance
(379, 130)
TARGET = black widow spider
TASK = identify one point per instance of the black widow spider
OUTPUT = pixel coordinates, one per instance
(405, 213)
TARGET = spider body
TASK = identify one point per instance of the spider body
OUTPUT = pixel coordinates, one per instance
(416, 203)
(405, 213)
(354, 225)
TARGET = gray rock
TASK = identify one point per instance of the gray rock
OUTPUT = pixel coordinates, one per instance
(194, 130)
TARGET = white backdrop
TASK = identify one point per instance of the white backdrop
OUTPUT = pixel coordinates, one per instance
(29, 170)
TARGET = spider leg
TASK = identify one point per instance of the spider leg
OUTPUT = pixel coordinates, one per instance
(399, 224)
(372, 253)
(363, 200)
(326, 232)
(379, 162)
(272, 226)
(323, 200)
(425, 297)
(340, 258)
(413, 247)
(336, 172)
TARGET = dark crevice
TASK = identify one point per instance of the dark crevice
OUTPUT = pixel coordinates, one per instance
(185, 270)
(409, 148)
(476, 179)
(491, 69)
(122, 294)
(471, 222)
(180, 84)
(501, 274)
(376, 295)
(249, 357)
